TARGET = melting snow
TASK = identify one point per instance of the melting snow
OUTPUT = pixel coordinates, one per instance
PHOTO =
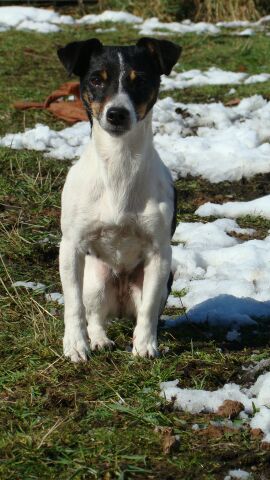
(257, 207)
(110, 16)
(55, 297)
(65, 144)
(196, 401)
(46, 21)
(217, 142)
(238, 474)
(30, 285)
(154, 25)
(30, 18)
(227, 281)
(50, 297)
(213, 76)
(233, 336)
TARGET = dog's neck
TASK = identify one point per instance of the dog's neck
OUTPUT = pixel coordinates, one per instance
(137, 142)
(124, 160)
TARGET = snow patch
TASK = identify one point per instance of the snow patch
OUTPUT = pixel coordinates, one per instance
(30, 285)
(189, 138)
(55, 297)
(65, 144)
(46, 21)
(258, 207)
(233, 336)
(31, 18)
(152, 26)
(212, 76)
(238, 474)
(227, 281)
(110, 16)
(197, 401)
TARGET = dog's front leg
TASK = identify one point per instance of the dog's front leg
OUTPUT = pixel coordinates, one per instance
(156, 274)
(75, 340)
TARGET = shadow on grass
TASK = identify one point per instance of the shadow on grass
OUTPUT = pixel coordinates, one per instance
(233, 323)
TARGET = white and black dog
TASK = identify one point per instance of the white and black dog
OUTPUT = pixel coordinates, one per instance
(118, 202)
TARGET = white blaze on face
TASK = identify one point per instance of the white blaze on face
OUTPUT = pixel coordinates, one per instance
(121, 99)
(122, 72)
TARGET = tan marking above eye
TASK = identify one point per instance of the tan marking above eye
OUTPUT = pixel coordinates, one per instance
(132, 75)
(104, 75)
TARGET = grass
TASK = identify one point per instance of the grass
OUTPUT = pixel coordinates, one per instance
(204, 10)
(97, 421)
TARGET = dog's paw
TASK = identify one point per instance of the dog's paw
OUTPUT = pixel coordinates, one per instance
(99, 341)
(76, 346)
(145, 346)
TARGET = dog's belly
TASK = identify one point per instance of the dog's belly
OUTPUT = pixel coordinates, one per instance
(122, 248)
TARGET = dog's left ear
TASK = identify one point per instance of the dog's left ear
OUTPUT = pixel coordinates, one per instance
(75, 56)
(165, 53)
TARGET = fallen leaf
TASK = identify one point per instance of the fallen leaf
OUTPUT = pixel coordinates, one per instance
(170, 442)
(233, 102)
(214, 431)
(71, 111)
(256, 432)
(230, 409)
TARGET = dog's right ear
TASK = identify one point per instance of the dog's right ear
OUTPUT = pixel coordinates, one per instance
(75, 56)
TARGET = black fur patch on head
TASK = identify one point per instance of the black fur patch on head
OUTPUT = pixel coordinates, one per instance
(76, 56)
(102, 69)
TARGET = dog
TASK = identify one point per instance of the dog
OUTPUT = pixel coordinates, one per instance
(118, 202)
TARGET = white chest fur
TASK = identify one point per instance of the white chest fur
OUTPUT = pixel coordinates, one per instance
(121, 247)
(116, 200)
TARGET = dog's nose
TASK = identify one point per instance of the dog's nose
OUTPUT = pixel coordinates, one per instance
(118, 116)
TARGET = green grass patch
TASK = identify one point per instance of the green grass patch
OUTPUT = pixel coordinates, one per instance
(97, 420)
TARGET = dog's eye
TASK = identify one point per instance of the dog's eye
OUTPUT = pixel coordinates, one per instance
(138, 81)
(96, 81)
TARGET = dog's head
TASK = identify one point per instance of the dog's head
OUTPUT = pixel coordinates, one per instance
(119, 85)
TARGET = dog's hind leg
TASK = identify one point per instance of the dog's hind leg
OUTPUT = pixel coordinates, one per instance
(99, 301)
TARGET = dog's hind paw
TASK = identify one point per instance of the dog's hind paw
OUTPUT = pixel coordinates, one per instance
(76, 346)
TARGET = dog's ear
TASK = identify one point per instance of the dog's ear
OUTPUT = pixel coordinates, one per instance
(75, 56)
(164, 52)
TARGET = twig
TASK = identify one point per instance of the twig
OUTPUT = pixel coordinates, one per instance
(56, 425)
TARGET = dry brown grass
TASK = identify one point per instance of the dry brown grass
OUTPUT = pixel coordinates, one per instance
(216, 10)
(163, 9)
(204, 10)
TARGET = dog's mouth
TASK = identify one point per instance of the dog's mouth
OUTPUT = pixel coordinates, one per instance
(116, 130)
